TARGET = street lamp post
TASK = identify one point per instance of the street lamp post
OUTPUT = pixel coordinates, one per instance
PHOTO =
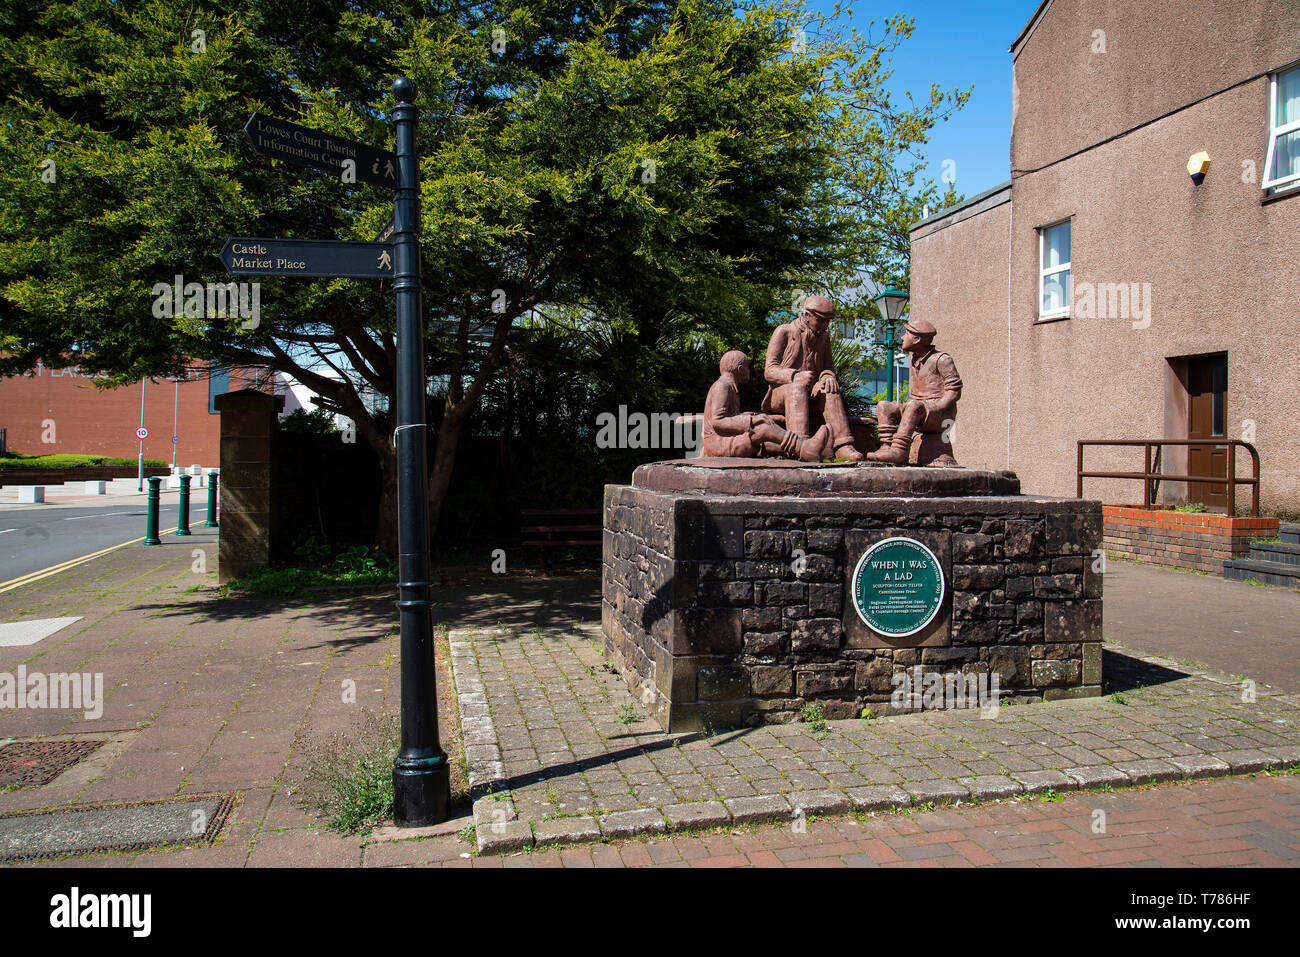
(891, 302)
(421, 777)
(139, 485)
(176, 408)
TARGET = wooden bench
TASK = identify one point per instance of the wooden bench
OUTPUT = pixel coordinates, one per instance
(550, 528)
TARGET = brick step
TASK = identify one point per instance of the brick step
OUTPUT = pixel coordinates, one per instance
(1289, 534)
(1283, 552)
(1270, 573)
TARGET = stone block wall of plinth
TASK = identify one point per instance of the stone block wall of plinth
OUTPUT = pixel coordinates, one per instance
(723, 609)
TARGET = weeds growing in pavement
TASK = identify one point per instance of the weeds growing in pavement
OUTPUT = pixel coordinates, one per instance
(349, 776)
(813, 716)
(353, 570)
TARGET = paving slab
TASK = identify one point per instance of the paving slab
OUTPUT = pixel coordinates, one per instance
(633, 823)
(765, 807)
(18, 634)
(1219, 625)
(879, 797)
(579, 743)
(1100, 777)
(202, 694)
(696, 814)
(1035, 782)
(936, 791)
(991, 787)
(566, 830)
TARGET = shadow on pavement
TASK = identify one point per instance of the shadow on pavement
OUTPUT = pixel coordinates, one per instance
(551, 602)
(555, 771)
(521, 603)
(1121, 672)
(372, 616)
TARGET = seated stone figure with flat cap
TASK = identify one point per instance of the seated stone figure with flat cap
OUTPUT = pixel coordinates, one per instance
(801, 377)
(930, 407)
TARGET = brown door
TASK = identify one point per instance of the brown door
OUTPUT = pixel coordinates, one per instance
(1207, 417)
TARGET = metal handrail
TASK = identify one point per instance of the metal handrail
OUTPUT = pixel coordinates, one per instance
(1230, 482)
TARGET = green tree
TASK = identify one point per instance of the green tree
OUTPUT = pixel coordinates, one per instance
(641, 171)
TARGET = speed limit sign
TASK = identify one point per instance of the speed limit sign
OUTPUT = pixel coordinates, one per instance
(142, 433)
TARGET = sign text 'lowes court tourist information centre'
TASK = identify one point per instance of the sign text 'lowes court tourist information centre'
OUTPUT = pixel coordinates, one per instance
(898, 587)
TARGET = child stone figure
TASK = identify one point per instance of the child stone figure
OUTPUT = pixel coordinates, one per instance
(931, 401)
(730, 432)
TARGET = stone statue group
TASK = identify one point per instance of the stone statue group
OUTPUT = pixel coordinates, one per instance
(803, 415)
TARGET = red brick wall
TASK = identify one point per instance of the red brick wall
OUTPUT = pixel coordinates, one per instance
(95, 421)
(1185, 539)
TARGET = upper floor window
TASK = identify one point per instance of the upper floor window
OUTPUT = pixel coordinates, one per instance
(1282, 164)
(1054, 271)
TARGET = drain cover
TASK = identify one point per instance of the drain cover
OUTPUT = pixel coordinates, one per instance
(93, 829)
(29, 764)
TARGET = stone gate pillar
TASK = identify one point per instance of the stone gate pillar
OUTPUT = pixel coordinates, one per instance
(248, 426)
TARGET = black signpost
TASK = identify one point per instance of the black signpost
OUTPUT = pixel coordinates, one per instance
(307, 147)
(307, 257)
(421, 776)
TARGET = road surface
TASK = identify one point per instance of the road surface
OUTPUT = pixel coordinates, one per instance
(32, 539)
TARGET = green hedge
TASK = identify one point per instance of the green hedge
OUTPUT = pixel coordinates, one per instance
(15, 460)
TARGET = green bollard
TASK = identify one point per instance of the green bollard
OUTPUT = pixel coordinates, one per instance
(183, 516)
(151, 513)
(211, 520)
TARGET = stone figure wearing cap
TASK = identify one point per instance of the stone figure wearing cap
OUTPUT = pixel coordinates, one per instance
(801, 377)
(729, 432)
(931, 405)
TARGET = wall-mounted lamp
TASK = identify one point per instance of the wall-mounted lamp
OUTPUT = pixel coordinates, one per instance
(1198, 166)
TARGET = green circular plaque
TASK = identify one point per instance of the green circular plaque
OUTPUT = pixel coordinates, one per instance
(898, 587)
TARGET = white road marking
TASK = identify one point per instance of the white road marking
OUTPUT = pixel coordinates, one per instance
(62, 566)
(20, 633)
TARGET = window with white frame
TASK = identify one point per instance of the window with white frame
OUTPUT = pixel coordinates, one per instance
(1054, 271)
(1282, 163)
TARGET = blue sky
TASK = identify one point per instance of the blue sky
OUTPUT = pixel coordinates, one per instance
(958, 44)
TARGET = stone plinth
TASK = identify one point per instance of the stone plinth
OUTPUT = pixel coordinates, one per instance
(763, 477)
(724, 609)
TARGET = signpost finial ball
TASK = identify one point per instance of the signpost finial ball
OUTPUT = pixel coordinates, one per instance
(404, 89)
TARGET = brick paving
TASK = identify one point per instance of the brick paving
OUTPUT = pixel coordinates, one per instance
(1242, 821)
(206, 695)
(202, 694)
(1253, 821)
(557, 745)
